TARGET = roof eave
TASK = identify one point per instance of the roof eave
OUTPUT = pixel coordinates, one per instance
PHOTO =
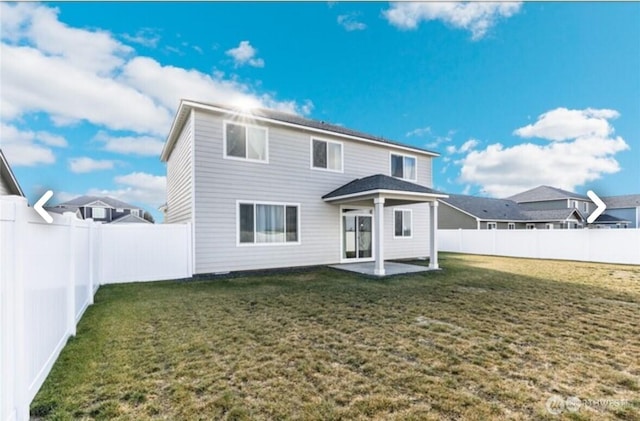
(177, 124)
(402, 194)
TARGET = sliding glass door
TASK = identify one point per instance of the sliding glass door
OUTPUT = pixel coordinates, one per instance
(357, 234)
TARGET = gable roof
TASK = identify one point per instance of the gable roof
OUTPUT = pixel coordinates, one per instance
(81, 201)
(610, 219)
(621, 202)
(129, 218)
(552, 214)
(545, 193)
(485, 208)
(7, 174)
(280, 118)
(490, 209)
(380, 182)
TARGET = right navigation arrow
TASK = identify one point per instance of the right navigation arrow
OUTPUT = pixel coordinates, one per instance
(601, 207)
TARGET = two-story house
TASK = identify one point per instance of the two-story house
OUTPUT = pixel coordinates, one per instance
(106, 210)
(266, 189)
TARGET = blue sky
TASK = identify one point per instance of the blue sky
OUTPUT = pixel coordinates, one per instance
(513, 95)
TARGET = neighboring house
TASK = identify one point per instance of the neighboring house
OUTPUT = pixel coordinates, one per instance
(266, 189)
(626, 208)
(101, 209)
(552, 198)
(8, 181)
(471, 212)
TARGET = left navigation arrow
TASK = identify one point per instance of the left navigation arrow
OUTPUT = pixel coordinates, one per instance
(38, 207)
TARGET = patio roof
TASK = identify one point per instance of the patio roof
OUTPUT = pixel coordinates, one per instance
(382, 185)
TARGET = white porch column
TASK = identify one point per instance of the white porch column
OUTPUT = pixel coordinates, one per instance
(433, 235)
(379, 244)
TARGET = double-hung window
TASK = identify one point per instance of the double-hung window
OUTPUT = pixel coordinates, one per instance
(403, 221)
(266, 223)
(492, 225)
(98, 213)
(403, 166)
(243, 141)
(326, 154)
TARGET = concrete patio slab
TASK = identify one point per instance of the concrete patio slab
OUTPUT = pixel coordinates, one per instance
(391, 268)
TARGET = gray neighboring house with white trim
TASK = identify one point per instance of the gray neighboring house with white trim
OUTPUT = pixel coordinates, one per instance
(479, 213)
(104, 209)
(266, 189)
(626, 208)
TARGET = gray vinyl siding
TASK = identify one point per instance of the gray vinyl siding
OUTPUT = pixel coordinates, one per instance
(549, 204)
(628, 214)
(402, 247)
(450, 218)
(287, 178)
(179, 178)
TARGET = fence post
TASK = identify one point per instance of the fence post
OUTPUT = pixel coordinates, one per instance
(71, 284)
(91, 260)
(14, 379)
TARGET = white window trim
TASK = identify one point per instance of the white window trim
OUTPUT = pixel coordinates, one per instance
(394, 224)
(106, 214)
(311, 139)
(549, 226)
(511, 226)
(391, 153)
(366, 211)
(531, 226)
(259, 202)
(235, 158)
(492, 224)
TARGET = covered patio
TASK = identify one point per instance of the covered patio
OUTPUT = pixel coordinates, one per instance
(381, 191)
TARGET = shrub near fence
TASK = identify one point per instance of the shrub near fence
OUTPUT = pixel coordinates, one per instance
(591, 245)
(49, 274)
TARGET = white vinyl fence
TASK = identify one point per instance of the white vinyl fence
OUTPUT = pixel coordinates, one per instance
(591, 245)
(49, 274)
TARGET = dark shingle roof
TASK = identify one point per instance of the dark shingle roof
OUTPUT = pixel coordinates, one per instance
(85, 200)
(490, 209)
(551, 214)
(620, 202)
(610, 219)
(486, 207)
(542, 193)
(379, 182)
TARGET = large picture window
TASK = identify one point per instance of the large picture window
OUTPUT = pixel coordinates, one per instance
(245, 142)
(326, 155)
(403, 166)
(402, 223)
(260, 223)
(98, 213)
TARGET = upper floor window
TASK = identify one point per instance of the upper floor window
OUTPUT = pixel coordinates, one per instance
(402, 218)
(585, 207)
(326, 154)
(511, 226)
(242, 141)
(492, 225)
(403, 166)
(575, 204)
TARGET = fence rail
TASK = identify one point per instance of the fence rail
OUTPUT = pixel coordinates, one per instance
(591, 245)
(49, 274)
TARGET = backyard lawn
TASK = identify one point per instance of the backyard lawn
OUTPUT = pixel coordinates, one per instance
(486, 338)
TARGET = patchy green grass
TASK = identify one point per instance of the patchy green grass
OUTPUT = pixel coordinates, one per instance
(487, 338)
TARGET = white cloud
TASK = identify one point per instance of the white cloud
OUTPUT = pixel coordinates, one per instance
(131, 145)
(76, 74)
(245, 54)
(419, 132)
(464, 148)
(476, 17)
(580, 151)
(28, 148)
(147, 37)
(562, 124)
(137, 187)
(85, 164)
(350, 22)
